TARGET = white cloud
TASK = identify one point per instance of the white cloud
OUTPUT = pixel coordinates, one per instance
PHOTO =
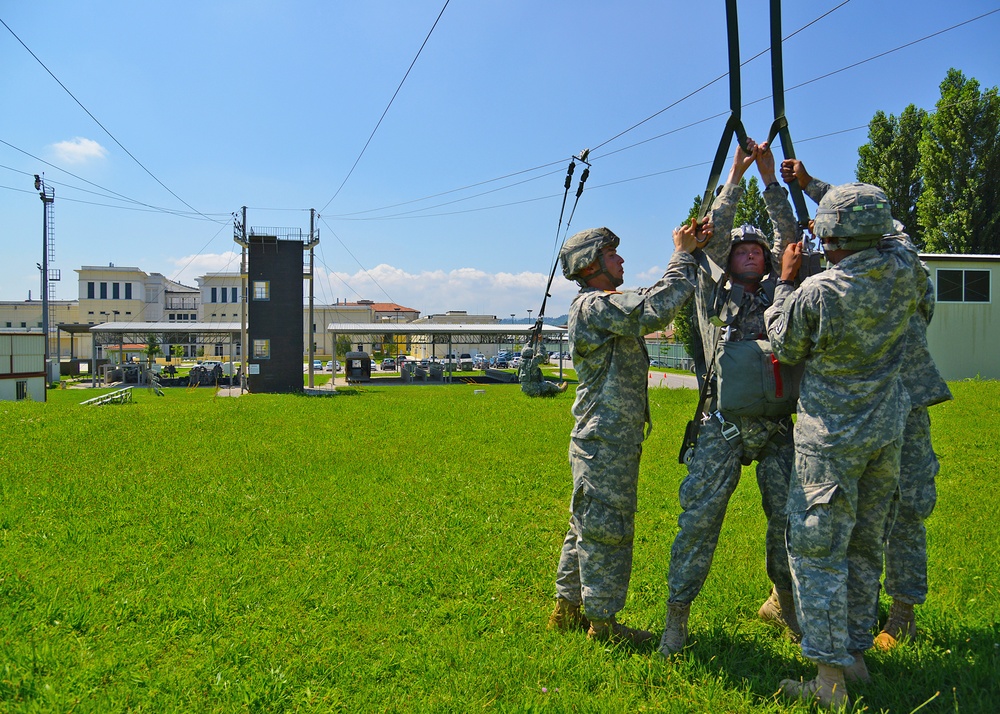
(78, 150)
(431, 292)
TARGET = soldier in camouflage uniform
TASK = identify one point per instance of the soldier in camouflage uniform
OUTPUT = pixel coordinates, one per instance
(725, 442)
(848, 325)
(529, 374)
(606, 329)
(906, 536)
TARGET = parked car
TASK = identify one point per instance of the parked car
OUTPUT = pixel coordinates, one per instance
(333, 365)
(465, 362)
(317, 365)
(388, 364)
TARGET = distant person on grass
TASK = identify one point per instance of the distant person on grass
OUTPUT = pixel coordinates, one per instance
(606, 329)
(730, 307)
(905, 534)
(529, 373)
(848, 326)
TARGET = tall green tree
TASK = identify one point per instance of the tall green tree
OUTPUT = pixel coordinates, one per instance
(751, 208)
(152, 348)
(960, 159)
(891, 160)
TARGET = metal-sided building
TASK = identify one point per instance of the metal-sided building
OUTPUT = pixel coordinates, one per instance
(964, 336)
(22, 366)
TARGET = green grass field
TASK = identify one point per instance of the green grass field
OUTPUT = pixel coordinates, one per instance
(394, 548)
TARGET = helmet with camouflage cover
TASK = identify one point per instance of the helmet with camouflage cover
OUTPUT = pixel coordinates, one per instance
(527, 352)
(582, 249)
(750, 234)
(853, 216)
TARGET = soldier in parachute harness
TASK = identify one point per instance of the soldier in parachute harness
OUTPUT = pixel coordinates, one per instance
(730, 315)
(848, 326)
(606, 329)
(529, 373)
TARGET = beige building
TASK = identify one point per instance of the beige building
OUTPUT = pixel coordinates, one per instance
(129, 295)
(424, 346)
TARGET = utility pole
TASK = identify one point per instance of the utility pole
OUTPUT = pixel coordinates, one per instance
(240, 236)
(312, 330)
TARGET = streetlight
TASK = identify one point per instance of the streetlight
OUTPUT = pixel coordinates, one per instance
(512, 335)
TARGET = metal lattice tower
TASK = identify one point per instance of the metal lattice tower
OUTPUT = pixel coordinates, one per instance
(49, 276)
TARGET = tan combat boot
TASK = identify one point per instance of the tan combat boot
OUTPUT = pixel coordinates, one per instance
(828, 689)
(900, 625)
(614, 632)
(857, 672)
(568, 616)
(675, 632)
(779, 610)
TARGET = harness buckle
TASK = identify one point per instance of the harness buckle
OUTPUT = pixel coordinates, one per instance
(729, 430)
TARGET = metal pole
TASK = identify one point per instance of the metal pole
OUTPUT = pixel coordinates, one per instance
(312, 256)
(244, 348)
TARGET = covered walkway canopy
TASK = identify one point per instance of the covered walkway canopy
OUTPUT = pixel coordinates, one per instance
(441, 333)
(118, 334)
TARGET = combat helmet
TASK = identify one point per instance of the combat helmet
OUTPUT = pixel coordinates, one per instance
(582, 249)
(750, 234)
(853, 216)
(527, 352)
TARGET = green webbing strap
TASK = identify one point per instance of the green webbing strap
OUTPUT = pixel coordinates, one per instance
(537, 329)
(780, 126)
(734, 125)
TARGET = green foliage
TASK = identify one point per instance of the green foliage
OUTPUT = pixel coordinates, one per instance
(344, 345)
(959, 158)
(152, 348)
(751, 208)
(891, 160)
(394, 549)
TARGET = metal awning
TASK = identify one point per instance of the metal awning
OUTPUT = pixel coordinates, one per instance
(487, 333)
(114, 333)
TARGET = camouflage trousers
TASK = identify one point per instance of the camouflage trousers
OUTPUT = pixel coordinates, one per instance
(596, 560)
(906, 537)
(713, 475)
(544, 388)
(837, 507)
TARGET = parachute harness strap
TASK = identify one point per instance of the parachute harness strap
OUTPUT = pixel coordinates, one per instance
(537, 331)
(734, 125)
(780, 126)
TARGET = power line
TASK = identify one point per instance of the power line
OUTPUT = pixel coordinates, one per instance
(96, 121)
(386, 111)
(595, 158)
(109, 193)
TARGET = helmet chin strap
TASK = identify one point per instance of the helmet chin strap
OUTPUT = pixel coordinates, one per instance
(615, 280)
(749, 277)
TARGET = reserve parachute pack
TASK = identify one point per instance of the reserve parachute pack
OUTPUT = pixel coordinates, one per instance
(752, 382)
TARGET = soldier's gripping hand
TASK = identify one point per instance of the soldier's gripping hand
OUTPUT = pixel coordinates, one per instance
(790, 261)
(795, 170)
(686, 236)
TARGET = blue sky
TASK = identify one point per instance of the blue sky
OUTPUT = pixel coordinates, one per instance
(268, 105)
